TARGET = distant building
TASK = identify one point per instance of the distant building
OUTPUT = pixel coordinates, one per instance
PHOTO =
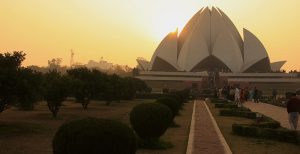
(102, 64)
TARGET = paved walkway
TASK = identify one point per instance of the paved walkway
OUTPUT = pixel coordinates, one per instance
(205, 136)
(277, 113)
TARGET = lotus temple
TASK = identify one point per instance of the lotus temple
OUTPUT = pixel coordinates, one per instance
(208, 43)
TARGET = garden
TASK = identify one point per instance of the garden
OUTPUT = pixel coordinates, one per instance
(250, 132)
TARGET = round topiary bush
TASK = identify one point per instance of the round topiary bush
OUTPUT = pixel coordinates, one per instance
(94, 136)
(172, 103)
(150, 120)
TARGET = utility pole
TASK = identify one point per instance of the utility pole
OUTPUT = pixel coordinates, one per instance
(72, 58)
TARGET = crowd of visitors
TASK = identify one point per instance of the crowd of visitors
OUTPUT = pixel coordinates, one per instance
(239, 95)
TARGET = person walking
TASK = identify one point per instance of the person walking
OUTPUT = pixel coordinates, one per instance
(237, 96)
(293, 109)
(255, 95)
(274, 94)
(242, 95)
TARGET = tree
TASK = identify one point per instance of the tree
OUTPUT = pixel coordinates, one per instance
(99, 84)
(56, 90)
(54, 64)
(82, 85)
(28, 88)
(10, 63)
(117, 87)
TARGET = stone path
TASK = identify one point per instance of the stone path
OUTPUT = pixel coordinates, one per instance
(205, 136)
(277, 113)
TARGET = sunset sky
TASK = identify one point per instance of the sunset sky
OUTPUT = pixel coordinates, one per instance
(122, 30)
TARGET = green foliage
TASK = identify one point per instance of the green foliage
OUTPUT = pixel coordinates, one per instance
(288, 95)
(218, 101)
(281, 134)
(55, 90)
(150, 120)
(94, 136)
(116, 86)
(238, 113)
(150, 95)
(10, 63)
(132, 86)
(92, 84)
(267, 124)
(227, 105)
(82, 85)
(154, 144)
(172, 103)
(181, 96)
(29, 88)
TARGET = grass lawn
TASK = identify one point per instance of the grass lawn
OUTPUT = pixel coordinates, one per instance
(244, 145)
(31, 132)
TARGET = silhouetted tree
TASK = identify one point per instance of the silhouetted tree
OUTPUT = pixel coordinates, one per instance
(10, 63)
(54, 64)
(56, 90)
(132, 86)
(82, 85)
(28, 88)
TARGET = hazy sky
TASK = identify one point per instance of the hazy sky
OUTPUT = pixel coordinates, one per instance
(122, 30)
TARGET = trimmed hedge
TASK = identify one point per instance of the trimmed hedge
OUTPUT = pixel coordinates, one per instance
(150, 120)
(149, 95)
(222, 105)
(281, 134)
(172, 103)
(93, 136)
(268, 124)
(237, 113)
(218, 101)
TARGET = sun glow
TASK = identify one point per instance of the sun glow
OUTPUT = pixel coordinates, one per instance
(121, 30)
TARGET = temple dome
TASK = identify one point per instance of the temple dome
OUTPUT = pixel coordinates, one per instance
(210, 41)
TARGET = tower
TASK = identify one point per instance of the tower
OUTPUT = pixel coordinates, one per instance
(72, 58)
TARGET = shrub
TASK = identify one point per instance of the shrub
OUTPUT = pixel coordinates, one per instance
(238, 113)
(287, 136)
(251, 131)
(222, 105)
(288, 95)
(273, 124)
(181, 96)
(281, 134)
(219, 101)
(269, 133)
(150, 120)
(237, 129)
(172, 103)
(149, 95)
(93, 136)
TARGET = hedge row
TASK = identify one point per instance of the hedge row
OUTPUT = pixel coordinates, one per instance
(149, 95)
(223, 105)
(237, 113)
(277, 103)
(281, 134)
(218, 101)
(265, 122)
